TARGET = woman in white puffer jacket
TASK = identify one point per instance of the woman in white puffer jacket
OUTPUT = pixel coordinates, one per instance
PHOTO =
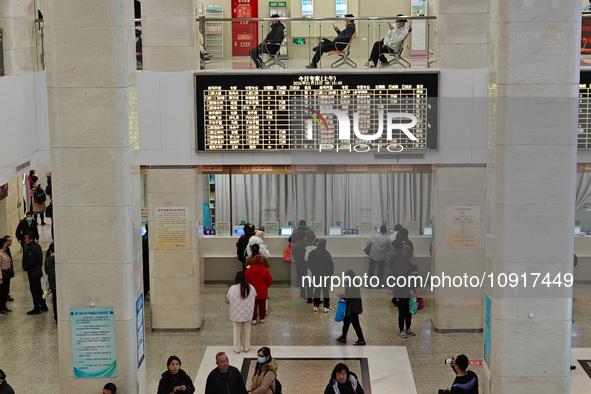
(241, 298)
(258, 238)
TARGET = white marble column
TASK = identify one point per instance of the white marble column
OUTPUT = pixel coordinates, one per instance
(457, 308)
(17, 18)
(169, 31)
(92, 98)
(534, 73)
(176, 270)
(461, 33)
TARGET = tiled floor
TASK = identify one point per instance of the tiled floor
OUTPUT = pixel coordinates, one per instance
(28, 344)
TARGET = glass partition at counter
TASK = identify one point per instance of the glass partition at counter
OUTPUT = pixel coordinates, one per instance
(225, 49)
(358, 204)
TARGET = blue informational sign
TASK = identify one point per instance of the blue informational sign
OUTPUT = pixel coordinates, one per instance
(487, 320)
(139, 326)
(206, 215)
(93, 342)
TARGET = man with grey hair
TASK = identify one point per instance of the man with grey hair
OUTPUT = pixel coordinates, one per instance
(224, 379)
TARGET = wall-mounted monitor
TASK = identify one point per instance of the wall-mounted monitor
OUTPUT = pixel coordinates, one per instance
(307, 7)
(287, 231)
(334, 231)
(341, 7)
(238, 231)
(428, 231)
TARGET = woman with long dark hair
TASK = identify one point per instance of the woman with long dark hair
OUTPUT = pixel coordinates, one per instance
(256, 250)
(343, 381)
(241, 298)
(175, 380)
(265, 373)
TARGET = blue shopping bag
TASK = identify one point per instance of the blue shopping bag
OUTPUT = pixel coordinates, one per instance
(341, 308)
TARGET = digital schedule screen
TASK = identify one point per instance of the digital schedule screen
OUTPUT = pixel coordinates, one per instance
(273, 111)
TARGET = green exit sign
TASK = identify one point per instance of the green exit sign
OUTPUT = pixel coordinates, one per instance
(299, 40)
(277, 4)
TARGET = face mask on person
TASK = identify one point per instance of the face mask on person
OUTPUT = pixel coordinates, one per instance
(261, 360)
(29, 219)
(397, 24)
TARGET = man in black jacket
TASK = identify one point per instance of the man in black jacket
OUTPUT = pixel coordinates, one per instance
(342, 39)
(242, 242)
(28, 224)
(275, 36)
(225, 379)
(4, 386)
(321, 265)
(466, 381)
(32, 264)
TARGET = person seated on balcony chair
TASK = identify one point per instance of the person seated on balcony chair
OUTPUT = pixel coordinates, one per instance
(391, 43)
(326, 45)
(275, 36)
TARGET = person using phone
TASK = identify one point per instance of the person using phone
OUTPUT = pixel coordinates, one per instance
(466, 381)
(175, 379)
(338, 43)
(391, 43)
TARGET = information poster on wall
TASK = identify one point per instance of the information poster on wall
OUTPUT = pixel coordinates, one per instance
(318, 228)
(222, 229)
(307, 7)
(462, 226)
(271, 214)
(271, 228)
(413, 227)
(366, 228)
(172, 228)
(144, 214)
(139, 326)
(93, 342)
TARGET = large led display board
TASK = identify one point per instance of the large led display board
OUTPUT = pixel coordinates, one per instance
(274, 111)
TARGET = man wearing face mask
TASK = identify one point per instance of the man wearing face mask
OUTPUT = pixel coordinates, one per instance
(391, 43)
(275, 36)
(27, 225)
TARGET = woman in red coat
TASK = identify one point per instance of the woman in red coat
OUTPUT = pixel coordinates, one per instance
(260, 278)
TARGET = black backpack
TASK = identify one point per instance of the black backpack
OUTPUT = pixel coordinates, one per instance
(39, 195)
(278, 387)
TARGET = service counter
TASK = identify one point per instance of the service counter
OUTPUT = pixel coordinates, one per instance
(221, 262)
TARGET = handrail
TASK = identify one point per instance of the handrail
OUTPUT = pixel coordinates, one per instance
(315, 19)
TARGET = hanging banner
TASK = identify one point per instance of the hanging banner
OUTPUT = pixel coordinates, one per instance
(271, 214)
(93, 342)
